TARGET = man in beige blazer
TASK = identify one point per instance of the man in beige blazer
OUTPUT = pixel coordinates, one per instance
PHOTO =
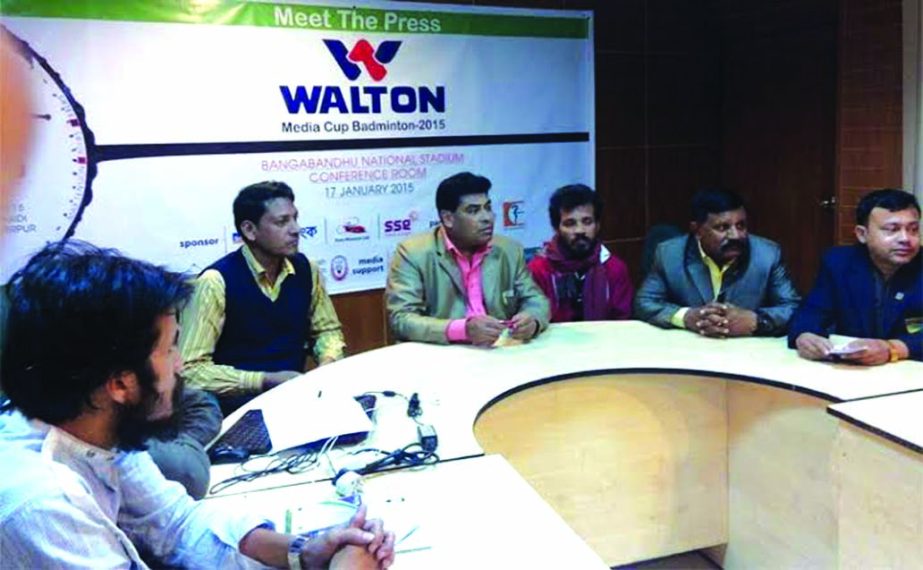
(459, 282)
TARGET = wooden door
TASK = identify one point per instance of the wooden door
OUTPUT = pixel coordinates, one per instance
(779, 65)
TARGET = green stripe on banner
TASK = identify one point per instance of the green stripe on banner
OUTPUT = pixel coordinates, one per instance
(300, 16)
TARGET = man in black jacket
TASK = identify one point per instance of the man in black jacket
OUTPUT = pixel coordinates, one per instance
(872, 290)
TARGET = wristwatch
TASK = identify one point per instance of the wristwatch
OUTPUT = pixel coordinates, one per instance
(763, 324)
(893, 353)
(294, 552)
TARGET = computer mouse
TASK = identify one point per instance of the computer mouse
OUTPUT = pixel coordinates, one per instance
(227, 454)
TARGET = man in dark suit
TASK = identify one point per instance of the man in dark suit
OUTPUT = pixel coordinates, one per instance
(719, 280)
(872, 290)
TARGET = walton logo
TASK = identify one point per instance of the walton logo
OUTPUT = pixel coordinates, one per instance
(372, 59)
(363, 99)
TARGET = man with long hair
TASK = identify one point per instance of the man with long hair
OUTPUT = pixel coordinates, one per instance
(90, 366)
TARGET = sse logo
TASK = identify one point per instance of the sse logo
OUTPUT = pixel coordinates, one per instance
(397, 226)
(400, 226)
(513, 214)
(374, 99)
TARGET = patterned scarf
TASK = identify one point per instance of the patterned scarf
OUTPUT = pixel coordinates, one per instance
(567, 274)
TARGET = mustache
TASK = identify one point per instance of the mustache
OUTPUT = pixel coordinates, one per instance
(579, 246)
(733, 244)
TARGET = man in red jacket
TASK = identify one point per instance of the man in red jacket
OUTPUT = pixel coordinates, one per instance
(583, 280)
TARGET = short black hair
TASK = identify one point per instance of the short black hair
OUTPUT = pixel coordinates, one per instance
(714, 200)
(566, 198)
(250, 203)
(79, 315)
(890, 199)
(451, 190)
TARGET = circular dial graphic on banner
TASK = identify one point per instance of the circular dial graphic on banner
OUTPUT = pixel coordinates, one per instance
(55, 184)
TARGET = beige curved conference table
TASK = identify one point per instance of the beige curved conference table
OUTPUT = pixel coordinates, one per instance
(649, 442)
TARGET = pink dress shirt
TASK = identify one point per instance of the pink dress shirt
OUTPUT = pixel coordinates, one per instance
(471, 277)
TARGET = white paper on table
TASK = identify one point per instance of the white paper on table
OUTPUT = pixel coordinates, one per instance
(408, 518)
(293, 422)
(306, 518)
(840, 342)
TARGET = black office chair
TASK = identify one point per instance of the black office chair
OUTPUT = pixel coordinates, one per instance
(657, 234)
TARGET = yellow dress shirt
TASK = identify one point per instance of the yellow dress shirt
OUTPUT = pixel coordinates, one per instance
(717, 277)
(203, 320)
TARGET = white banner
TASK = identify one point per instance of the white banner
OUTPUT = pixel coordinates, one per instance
(150, 119)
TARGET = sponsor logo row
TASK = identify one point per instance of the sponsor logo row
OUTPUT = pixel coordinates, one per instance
(358, 228)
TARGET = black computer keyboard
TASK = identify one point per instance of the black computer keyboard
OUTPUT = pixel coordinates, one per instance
(248, 434)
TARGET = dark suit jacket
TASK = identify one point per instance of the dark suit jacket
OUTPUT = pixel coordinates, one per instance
(843, 299)
(758, 281)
